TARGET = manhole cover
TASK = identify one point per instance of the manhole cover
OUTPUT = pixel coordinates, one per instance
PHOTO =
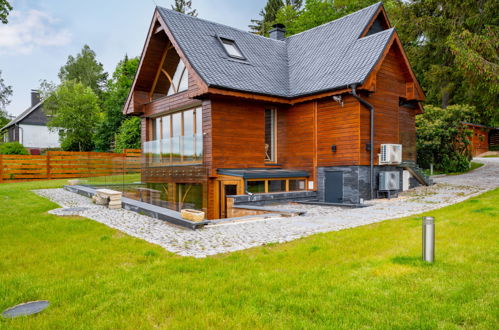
(28, 308)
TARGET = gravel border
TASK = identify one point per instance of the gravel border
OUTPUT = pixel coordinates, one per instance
(229, 237)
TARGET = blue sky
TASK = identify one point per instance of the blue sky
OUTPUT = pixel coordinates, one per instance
(41, 34)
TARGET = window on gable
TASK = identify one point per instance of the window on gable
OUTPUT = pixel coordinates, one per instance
(180, 80)
(378, 25)
(231, 48)
(172, 75)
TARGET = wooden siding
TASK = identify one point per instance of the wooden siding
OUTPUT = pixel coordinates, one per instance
(237, 134)
(295, 137)
(407, 124)
(338, 125)
(392, 123)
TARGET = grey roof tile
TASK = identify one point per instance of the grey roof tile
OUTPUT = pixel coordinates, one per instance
(326, 57)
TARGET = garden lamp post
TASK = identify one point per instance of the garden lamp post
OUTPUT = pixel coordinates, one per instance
(428, 239)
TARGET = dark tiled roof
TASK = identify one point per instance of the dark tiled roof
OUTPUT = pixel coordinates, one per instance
(328, 57)
(21, 116)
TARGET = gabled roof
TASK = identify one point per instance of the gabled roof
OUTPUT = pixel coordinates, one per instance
(23, 115)
(328, 57)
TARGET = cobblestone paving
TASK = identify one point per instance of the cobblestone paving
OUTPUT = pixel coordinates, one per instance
(228, 237)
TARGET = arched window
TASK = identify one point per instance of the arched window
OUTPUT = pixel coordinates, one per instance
(180, 80)
(172, 76)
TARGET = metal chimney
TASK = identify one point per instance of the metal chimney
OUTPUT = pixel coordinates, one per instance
(278, 32)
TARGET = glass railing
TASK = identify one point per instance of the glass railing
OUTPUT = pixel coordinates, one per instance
(174, 151)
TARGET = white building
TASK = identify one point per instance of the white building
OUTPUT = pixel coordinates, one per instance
(30, 127)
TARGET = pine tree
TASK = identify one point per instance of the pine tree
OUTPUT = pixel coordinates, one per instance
(269, 13)
(184, 7)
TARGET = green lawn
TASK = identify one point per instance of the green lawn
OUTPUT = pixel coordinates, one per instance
(372, 276)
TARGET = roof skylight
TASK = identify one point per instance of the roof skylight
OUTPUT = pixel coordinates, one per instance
(231, 48)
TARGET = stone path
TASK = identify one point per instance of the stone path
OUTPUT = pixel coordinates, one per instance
(230, 237)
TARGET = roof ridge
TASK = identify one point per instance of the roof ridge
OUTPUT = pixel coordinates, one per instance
(216, 23)
(338, 19)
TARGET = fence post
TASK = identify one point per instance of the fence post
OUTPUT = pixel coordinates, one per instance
(48, 164)
(1, 168)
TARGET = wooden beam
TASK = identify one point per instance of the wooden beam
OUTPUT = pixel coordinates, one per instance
(175, 89)
(158, 72)
(158, 29)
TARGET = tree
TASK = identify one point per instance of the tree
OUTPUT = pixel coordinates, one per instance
(74, 111)
(128, 136)
(442, 139)
(184, 7)
(85, 69)
(317, 12)
(452, 46)
(5, 94)
(46, 88)
(5, 8)
(268, 15)
(114, 98)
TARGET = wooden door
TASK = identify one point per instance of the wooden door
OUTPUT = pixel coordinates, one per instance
(227, 188)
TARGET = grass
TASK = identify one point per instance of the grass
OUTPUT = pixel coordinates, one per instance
(491, 156)
(371, 276)
(473, 166)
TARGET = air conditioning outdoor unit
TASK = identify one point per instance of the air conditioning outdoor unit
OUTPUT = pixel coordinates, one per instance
(389, 180)
(390, 154)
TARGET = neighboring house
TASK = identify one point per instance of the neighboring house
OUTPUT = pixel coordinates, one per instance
(226, 112)
(30, 127)
(483, 138)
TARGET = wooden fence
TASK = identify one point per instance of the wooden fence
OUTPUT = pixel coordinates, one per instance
(67, 164)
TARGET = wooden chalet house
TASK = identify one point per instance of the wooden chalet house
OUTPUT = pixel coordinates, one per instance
(226, 112)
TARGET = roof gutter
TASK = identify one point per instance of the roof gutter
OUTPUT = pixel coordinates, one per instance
(371, 138)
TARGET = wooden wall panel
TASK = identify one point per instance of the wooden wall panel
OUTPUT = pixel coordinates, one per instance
(237, 134)
(392, 123)
(338, 125)
(296, 137)
(407, 124)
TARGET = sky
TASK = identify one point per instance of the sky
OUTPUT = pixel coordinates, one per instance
(42, 34)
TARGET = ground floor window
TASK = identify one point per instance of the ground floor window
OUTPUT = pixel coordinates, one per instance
(174, 196)
(189, 196)
(256, 186)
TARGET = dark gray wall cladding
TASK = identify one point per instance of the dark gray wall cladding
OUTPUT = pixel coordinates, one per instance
(273, 198)
(356, 181)
(37, 117)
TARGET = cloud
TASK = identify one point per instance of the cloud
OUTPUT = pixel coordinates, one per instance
(28, 30)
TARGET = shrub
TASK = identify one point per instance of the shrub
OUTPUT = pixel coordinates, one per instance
(442, 139)
(13, 148)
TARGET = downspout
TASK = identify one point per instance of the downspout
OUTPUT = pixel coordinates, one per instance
(371, 138)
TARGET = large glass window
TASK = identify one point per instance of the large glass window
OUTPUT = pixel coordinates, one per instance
(189, 196)
(295, 185)
(277, 185)
(177, 138)
(255, 187)
(270, 136)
